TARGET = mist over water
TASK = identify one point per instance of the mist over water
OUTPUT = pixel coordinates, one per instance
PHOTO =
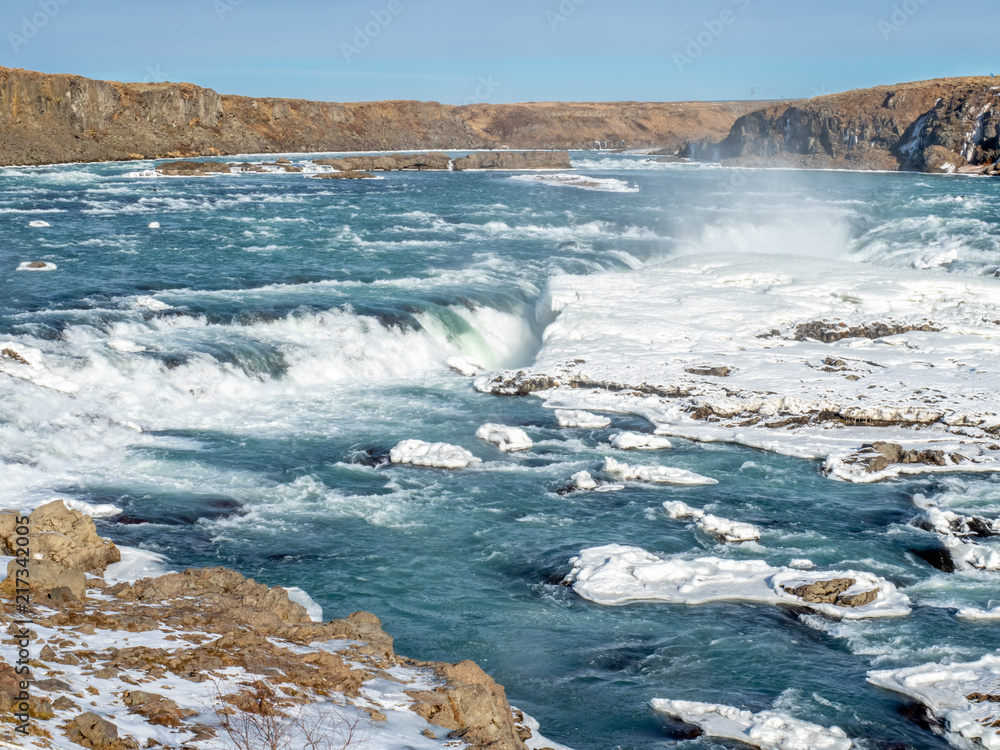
(227, 379)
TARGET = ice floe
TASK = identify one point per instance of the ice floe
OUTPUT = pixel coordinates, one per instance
(584, 481)
(39, 224)
(37, 265)
(654, 474)
(721, 528)
(154, 225)
(435, 455)
(809, 357)
(768, 730)
(965, 698)
(615, 575)
(581, 419)
(506, 439)
(638, 441)
(583, 182)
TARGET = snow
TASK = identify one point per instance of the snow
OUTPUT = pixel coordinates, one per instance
(769, 730)
(637, 441)
(467, 366)
(600, 184)
(945, 690)
(581, 419)
(506, 439)
(101, 510)
(654, 474)
(615, 575)
(632, 336)
(135, 564)
(299, 596)
(436, 455)
(28, 266)
(721, 528)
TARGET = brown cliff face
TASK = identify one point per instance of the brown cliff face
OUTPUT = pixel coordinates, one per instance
(47, 119)
(934, 126)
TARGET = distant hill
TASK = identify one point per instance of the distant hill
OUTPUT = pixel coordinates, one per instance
(48, 119)
(944, 125)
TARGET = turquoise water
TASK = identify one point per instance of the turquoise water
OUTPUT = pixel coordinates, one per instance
(294, 330)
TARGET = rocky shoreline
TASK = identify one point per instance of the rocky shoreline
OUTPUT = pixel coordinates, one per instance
(208, 658)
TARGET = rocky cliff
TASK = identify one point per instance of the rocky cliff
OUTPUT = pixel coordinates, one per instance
(207, 658)
(942, 125)
(60, 118)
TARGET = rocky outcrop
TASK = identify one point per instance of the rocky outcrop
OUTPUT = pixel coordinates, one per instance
(833, 591)
(511, 160)
(59, 535)
(204, 627)
(60, 118)
(388, 162)
(943, 125)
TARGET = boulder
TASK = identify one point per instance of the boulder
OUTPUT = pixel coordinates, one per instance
(833, 592)
(346, 175)
(44, 575)
(193, 168)
(514, 160)
(472, 705)
(63, 536)
(92, 731)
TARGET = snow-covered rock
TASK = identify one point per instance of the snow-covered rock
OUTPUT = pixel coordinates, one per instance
(436, 455)
(506, 439)
(654, 474)
(637, 441)
(580, 419)
(721, 528)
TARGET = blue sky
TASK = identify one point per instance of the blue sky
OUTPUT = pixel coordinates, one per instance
(517, 50)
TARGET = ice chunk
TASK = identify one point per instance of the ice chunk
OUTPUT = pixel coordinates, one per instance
(37, 265)
(768, 730)
(637, 441)
(38, 224)
(436, 455)
(466, 366)
(102, 510)
(299, 596)
(136, 564)
(615, 575)
(721, 528)
(654, 474)
(963, 697)
(583, 480)
(582, 419)
(154, 225)
(507, 439)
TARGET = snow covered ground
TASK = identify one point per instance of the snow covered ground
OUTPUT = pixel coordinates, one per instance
(802, 356)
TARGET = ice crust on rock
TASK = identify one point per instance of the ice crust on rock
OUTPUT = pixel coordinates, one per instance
(580, 419)
(584, 481)
(506, 439)
(654, 474)
(824, 357)
(27, 363)
(957, 532)
(615, 575)
(435, 455)
(638, 441)
(467, 366)
(721, 528)
(37, 265)
(39, 224)
(768, 730)
(964, 697)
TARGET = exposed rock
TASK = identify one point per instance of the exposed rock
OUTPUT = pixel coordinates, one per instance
(828, 333)
(720, 371)
(881, 455)
(347, 175)
(44, 575)
(833, 592)
(512, 160)
(388, 162)
(193, 168)
(92, 731)
(63, 536)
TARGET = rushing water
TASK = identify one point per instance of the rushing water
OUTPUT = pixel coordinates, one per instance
(292, 328)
